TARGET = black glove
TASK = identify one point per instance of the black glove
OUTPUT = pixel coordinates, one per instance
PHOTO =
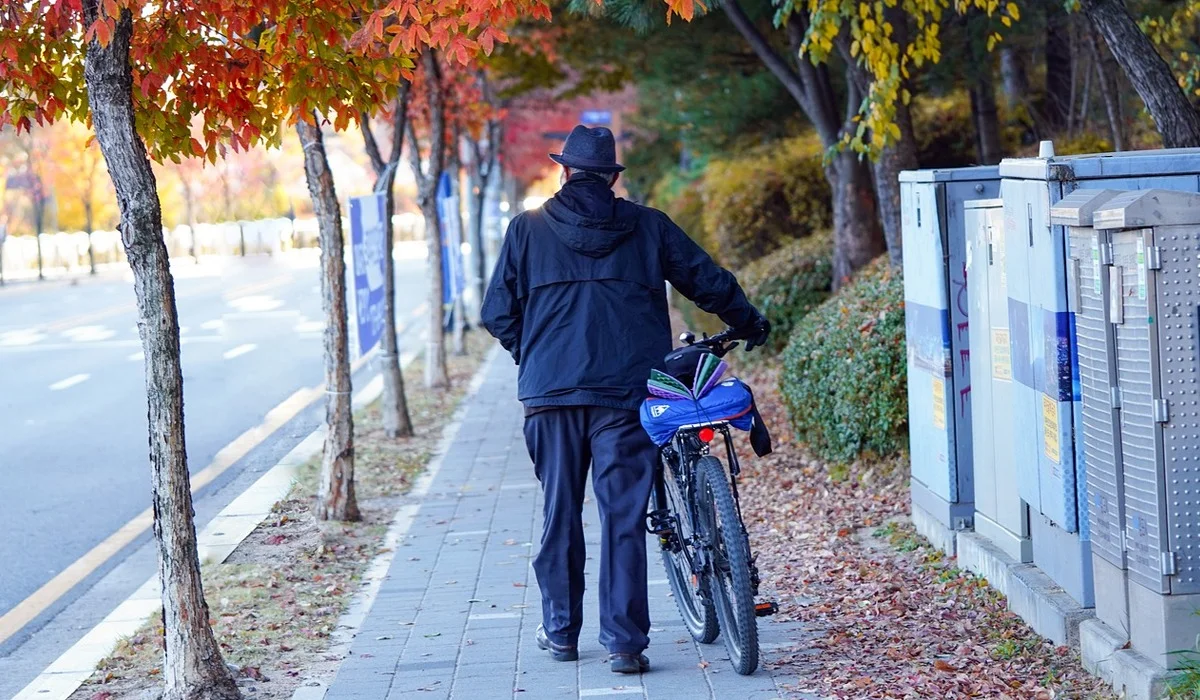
(756, 336)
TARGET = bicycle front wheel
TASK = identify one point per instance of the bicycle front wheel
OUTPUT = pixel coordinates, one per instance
(729, 569)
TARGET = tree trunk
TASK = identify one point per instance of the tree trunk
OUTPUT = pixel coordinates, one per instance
(1108, 91)
(335, 499)
(1014, 76)
(856, 236)
(193, 668)
(986, 118)
(1176, 119)
(397, 422)
(896, 158)
(1085, 105)
(39, 218)
(1059, 67)
(87, 222)
(189, 209)
(479, 185)
(454, 167)
(436, 376)
(893, 160)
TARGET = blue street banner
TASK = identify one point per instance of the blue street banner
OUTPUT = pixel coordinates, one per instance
(596, 117)
(368, 246)
(453, 279)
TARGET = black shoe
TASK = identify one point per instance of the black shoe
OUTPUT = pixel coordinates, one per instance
(558, 652)
(628, 663)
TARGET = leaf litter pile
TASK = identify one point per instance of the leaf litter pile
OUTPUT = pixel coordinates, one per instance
(885, 615)
(276, 601)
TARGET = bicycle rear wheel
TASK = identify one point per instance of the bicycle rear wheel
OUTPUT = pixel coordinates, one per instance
(729, 552)
(696, 610)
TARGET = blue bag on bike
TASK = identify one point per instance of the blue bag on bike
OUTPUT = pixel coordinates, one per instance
(730, 400)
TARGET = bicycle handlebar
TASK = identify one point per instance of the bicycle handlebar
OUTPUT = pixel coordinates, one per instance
(720, 344)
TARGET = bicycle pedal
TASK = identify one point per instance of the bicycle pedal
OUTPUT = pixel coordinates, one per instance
(765, 609)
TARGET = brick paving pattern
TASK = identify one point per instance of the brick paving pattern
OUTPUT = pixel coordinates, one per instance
(455, 618)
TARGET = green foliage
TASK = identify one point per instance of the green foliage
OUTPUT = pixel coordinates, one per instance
(789, 283)
(844, 379)
(945, 131)
(682, 199)
(888, 61)
(756, 203)
(1082, 143)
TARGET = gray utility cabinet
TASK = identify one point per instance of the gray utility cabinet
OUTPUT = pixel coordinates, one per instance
(1052, 468)
(1089, 266)
(1000, 515)
(1155, 305)
(937, 320)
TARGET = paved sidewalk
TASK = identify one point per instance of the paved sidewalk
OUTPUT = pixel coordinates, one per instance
(456, 616)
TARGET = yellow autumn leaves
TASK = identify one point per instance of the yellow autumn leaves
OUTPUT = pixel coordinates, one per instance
(871, 40)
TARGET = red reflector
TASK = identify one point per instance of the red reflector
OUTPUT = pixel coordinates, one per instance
(706, 435)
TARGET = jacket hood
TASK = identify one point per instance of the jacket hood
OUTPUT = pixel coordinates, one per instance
(588, 217)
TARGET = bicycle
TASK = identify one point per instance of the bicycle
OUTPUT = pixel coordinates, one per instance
(695, 508)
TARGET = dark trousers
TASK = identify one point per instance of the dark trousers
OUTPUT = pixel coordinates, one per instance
(562, 443)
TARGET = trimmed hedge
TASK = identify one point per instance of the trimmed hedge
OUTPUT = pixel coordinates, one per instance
(755, 203)
(789, 283)
(844, 375)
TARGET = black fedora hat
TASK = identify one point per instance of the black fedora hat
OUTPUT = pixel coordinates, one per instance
(589, 149)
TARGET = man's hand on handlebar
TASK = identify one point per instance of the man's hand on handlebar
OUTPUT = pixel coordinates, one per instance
(757, 335)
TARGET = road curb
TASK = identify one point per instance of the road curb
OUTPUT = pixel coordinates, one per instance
(351, 622)
(219, 538)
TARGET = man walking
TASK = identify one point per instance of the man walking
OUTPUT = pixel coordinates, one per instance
(578, 298)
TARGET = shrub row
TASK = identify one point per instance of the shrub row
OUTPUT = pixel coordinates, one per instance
(755, 203)
(844, 376)
(789, 283)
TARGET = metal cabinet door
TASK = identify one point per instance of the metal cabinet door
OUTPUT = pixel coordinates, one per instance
(1090, 262)
(927, 331)
(1010, 512)
(1141, 448)
(1052, 351)
(1018, 198)
(978, 264)
(1176, 296)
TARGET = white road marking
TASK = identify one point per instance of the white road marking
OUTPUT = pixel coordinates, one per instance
(24, 336)
(239, 350)
(131, 343)
(256, 302)
(615, 690)
(69, 382)
(494, 616)
(310, 327)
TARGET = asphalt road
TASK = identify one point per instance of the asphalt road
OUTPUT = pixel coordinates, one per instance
(73, 437)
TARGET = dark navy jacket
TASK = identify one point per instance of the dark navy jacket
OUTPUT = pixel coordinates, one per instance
(579, 296)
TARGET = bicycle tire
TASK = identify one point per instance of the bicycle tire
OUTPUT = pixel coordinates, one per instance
(730, 565)
(699, 616)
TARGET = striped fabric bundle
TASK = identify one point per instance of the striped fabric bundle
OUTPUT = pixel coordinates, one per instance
(709, 371)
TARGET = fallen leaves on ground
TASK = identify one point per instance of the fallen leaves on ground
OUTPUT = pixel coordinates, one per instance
(277, 599)
(884, 614)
